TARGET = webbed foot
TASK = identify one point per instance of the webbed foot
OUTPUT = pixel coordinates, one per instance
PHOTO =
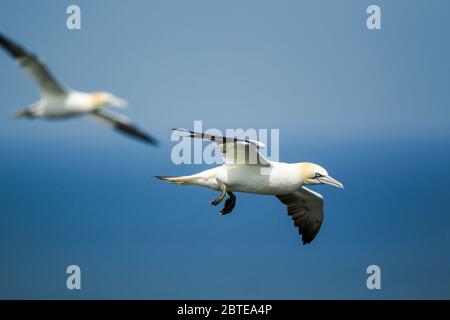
(229, 204)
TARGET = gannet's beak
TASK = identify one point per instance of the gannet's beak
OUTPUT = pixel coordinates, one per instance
(117, 102)
(332, 182)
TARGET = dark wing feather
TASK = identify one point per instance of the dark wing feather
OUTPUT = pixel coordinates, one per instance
(306, 210)
(124, 125)
(36, 69)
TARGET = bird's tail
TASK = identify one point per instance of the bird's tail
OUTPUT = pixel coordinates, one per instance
(20, 114)
(179, 179)
(25, 113)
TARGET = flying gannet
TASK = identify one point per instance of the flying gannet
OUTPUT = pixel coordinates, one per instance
(245, 169)
(59, 102)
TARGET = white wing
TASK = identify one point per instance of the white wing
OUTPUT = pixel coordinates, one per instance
(306, 210)
(36, 69)
(122, 124)
(234, 150)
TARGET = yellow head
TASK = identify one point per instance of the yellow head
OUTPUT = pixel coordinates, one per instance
(312, 174)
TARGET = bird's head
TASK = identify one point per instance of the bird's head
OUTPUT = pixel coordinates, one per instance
(312, 174)
(106, 99)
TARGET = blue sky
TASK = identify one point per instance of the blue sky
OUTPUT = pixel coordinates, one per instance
(371, 106)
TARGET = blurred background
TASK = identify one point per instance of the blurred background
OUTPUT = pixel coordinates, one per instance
(370, 106)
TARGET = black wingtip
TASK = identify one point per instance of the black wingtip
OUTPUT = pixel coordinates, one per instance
(162, 177)
(180, 129)
(152, 141)
(144, 138)
(136, 133)
(13, 49)
(192, 133)
(309, 239)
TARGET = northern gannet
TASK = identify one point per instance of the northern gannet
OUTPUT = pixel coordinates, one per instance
(59, 102)
(286, 181)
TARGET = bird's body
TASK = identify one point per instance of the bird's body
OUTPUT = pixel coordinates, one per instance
(74, 103)
(59, 102)
(246, 170)
(280, 178)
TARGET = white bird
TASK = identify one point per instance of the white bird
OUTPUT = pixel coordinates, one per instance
(59, 102)
(245, 169)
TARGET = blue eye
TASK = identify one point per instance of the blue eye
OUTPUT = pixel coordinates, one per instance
(318, 175)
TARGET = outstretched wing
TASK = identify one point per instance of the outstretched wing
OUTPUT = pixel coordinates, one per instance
(36, 69)
(306, 210)
(234, 150)
(123, 124)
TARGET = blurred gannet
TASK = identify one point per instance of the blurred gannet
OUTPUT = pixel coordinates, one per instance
(59, 102)
(286, 181)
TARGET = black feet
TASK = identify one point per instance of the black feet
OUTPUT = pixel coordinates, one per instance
(230, 203)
